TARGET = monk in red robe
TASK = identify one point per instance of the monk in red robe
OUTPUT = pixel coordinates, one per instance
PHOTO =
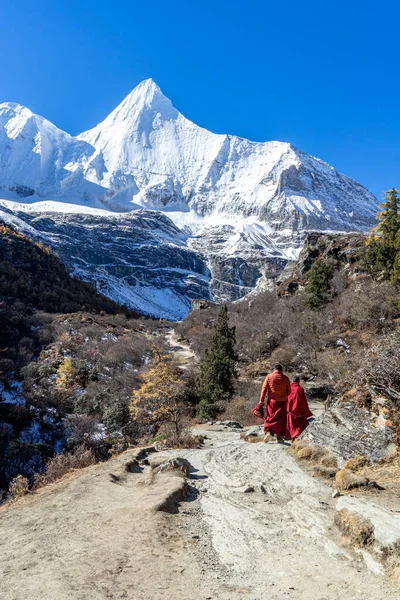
(277, 389)
(297, 410)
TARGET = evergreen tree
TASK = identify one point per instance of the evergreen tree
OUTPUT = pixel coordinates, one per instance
(319, 289)
(215, 382)
(383, 245)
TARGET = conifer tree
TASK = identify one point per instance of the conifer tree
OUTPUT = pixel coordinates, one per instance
(158, 400)
(383, 245)
(215, 382)
(319, 289)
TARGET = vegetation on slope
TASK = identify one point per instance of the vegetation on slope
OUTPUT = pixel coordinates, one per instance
(69, 360)
(31, 274)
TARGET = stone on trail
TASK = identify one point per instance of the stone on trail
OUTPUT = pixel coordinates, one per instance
(254, 434)
(163, 464)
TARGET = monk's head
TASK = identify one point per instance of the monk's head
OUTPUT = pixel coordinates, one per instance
(297, 379)
(278, 368)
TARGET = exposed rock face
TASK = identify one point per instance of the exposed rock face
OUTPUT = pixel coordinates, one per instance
(343, 251)
(140, 258)
(347, 431)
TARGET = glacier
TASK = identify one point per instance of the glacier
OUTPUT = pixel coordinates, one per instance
(221, 215)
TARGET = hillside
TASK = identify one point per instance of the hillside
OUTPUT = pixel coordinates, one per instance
(58, 337)
(30, 273)
(243, 505)
(346, 348)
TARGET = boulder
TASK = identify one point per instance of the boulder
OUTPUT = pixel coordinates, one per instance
(348, 431)
(163, 464)
(254, 434)
(385, 522)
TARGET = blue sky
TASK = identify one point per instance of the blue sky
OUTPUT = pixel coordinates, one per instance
(324, 76)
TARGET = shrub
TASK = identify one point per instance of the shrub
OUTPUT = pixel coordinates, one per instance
(243, 401)
(158, 400)
(64, 463)
(19, 487)
(67, 374)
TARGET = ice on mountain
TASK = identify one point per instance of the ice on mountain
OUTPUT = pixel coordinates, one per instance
(230, 197)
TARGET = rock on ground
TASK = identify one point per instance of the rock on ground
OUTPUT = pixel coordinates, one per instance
(347, 431)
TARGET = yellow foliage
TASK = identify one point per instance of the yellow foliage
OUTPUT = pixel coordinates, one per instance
(157, 400)
(66, 373)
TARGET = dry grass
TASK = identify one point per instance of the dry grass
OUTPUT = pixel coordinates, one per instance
(329, 461)
(64, 463)
(311, 453)
(347, 480)
(357, 463)
(297, 446)
(358, 530)
(386, 473)
(324, 472)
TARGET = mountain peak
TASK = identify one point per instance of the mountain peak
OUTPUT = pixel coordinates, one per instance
(137, 111)
(146, 96)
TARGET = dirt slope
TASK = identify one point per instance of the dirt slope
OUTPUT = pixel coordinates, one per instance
(88, 538)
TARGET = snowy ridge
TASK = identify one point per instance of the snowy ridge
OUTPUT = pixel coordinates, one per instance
(244, 206)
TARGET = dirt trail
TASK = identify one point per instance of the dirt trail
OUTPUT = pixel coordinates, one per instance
(87, 538)
(183, 354)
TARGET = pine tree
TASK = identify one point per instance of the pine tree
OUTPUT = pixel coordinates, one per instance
(319, 289)
(383, 245)
(215, 382)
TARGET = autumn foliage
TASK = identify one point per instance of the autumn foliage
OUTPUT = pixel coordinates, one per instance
(159, 398)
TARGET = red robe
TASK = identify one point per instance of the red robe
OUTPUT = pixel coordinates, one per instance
(297, 411)
(275, 418)
(277, 389)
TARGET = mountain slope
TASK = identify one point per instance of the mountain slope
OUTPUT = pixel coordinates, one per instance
(38, 160)
(245, 207)
(149, 154)
(140, 259)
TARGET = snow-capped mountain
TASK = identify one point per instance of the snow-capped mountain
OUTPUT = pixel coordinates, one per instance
(245, 206)
(38, 160)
